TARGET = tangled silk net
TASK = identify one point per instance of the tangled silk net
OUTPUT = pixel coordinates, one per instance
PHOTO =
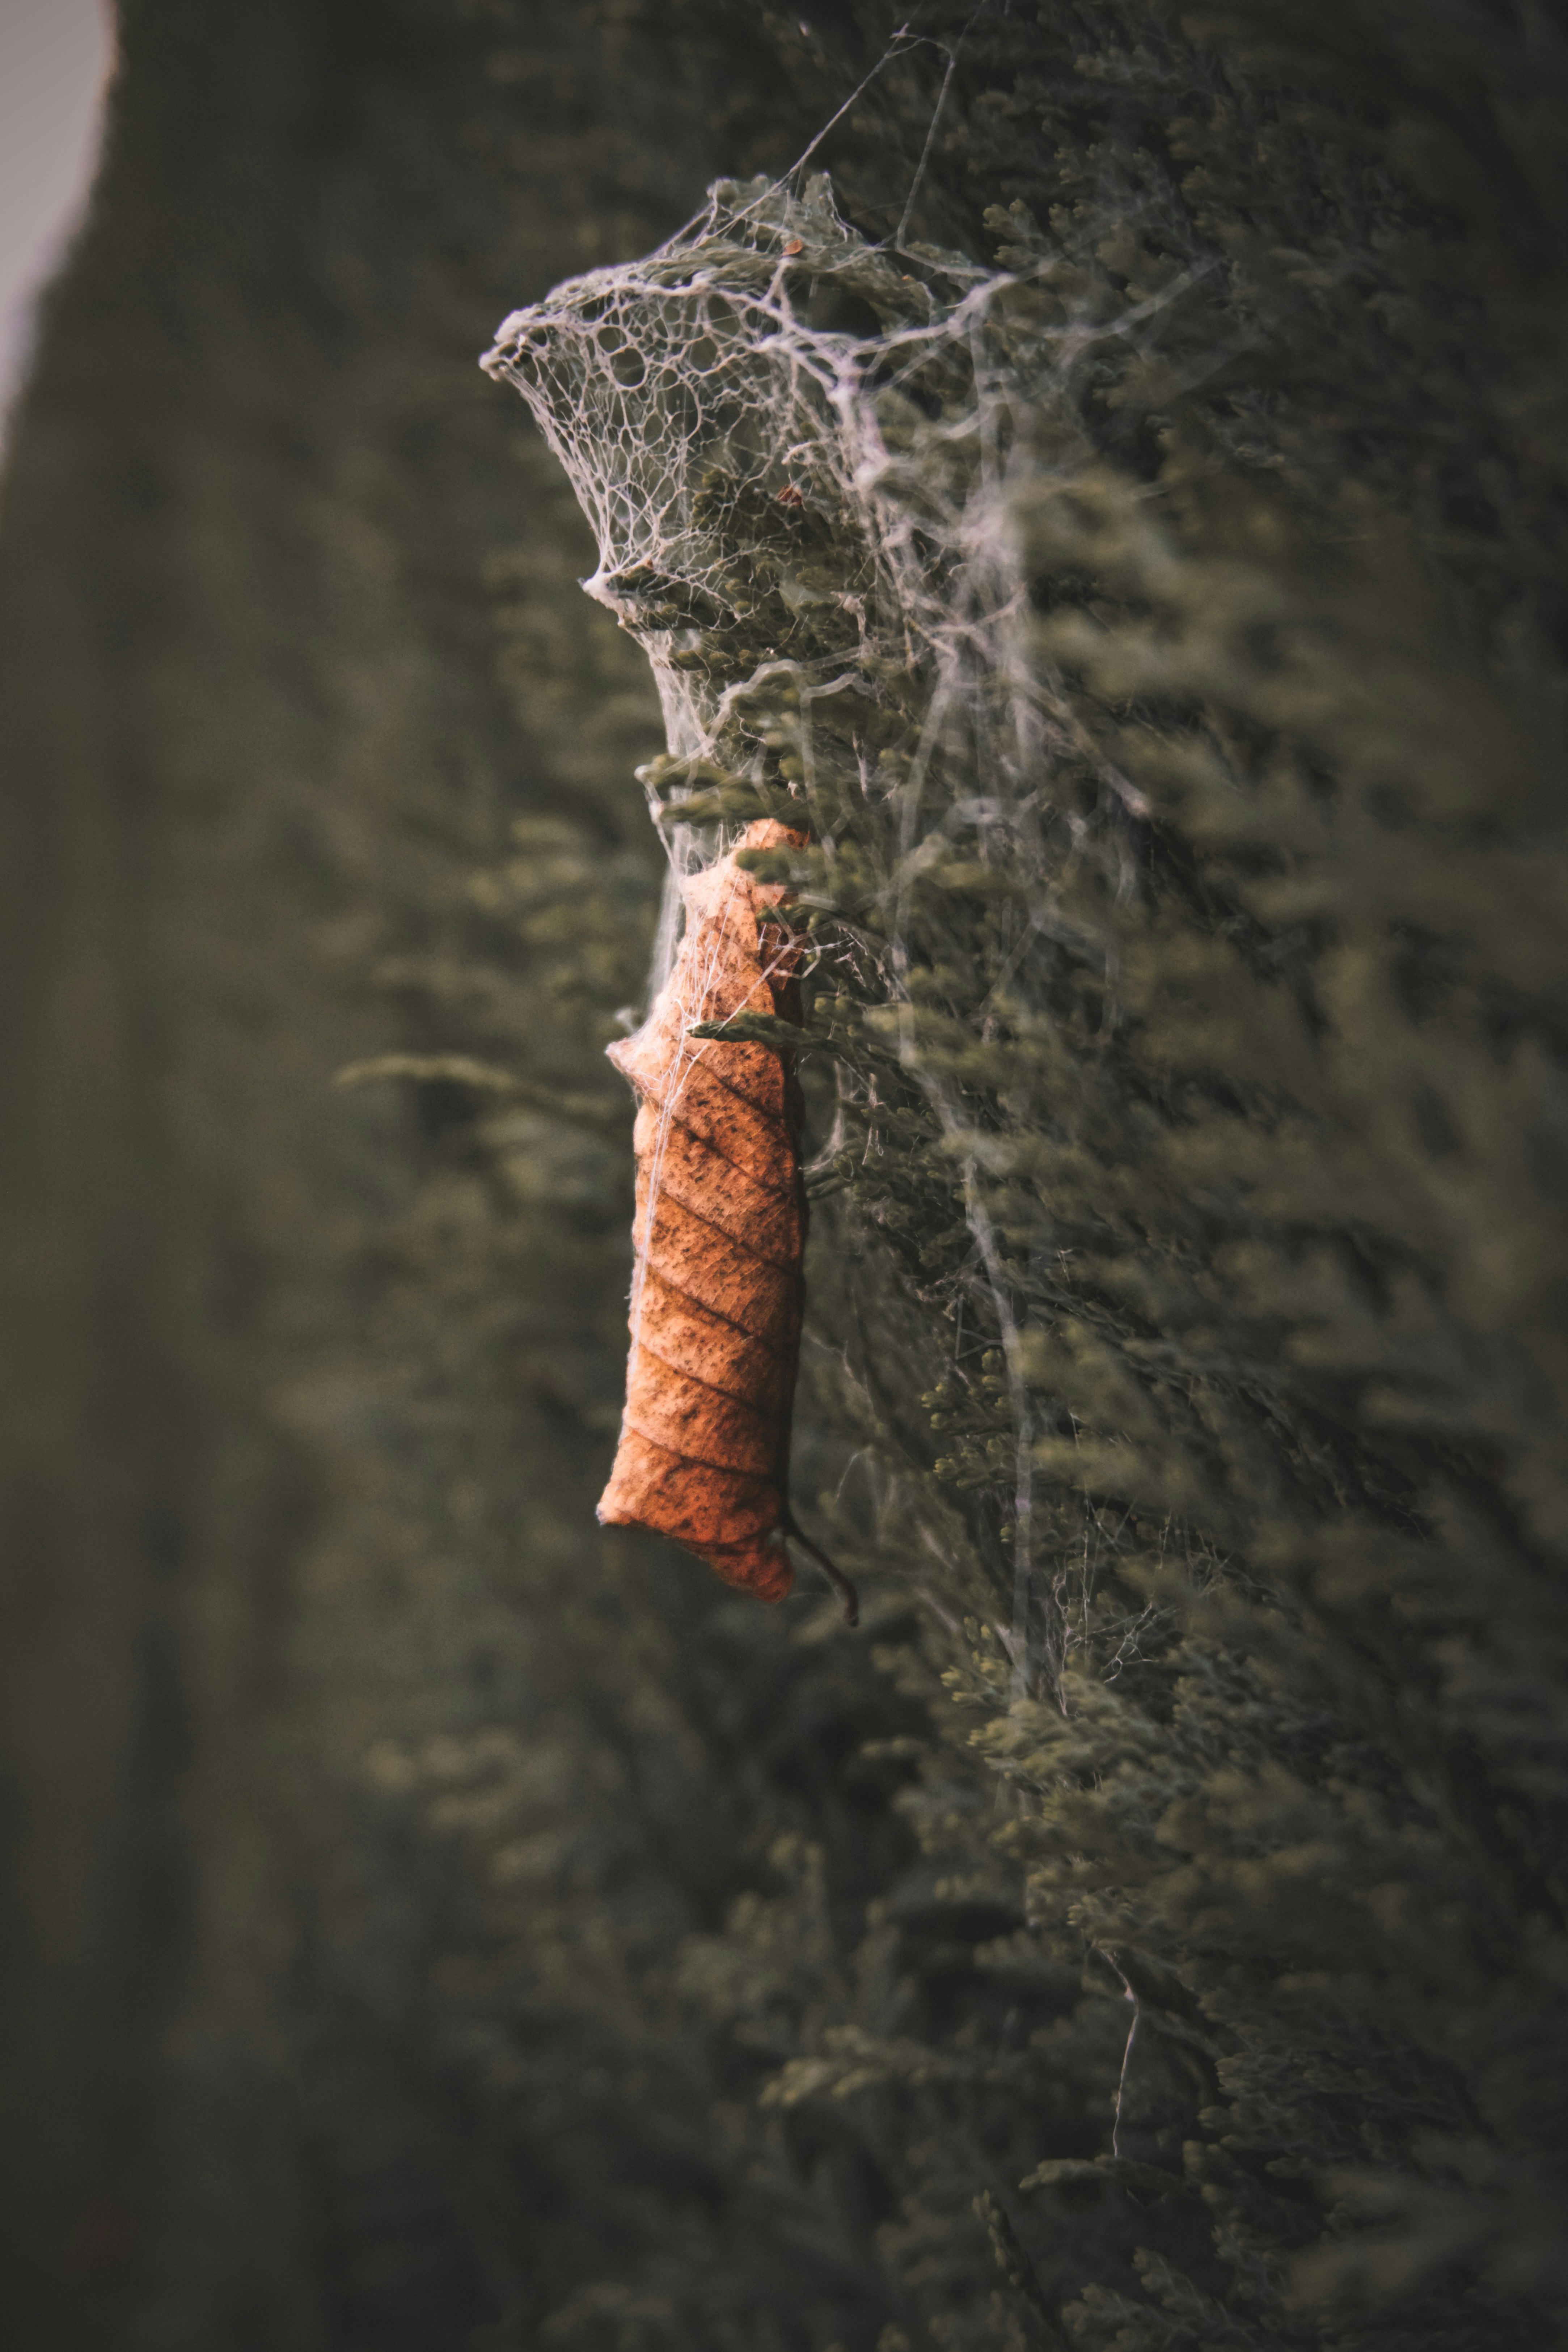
(802, 457)
(744, 416)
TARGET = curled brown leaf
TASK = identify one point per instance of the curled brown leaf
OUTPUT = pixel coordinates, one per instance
(720, 1238)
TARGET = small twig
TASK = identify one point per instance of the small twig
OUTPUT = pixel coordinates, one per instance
(456, 1069)
(835, 1576)
(1126, 2053)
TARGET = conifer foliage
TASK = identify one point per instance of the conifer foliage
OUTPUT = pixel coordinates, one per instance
(1186, 1088)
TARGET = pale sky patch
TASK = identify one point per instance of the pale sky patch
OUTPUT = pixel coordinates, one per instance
(54, 62)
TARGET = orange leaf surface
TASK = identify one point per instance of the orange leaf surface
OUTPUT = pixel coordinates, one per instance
(720, 1238)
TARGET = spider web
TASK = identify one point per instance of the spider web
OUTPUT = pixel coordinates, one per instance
(738, 412)
(801, 456)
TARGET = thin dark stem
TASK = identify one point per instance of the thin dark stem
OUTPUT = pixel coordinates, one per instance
(835, 1576)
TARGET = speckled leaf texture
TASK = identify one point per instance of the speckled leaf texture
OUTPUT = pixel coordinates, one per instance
(720, 1237)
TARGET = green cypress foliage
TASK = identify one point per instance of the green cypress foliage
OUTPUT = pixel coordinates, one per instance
(1182, 1086)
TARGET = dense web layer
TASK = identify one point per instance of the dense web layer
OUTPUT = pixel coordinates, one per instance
(730, 373)
(788, 444)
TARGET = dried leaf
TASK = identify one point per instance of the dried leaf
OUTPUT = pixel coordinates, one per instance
(719, 1239)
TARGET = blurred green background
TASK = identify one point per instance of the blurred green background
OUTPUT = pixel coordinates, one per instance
(410, 1892)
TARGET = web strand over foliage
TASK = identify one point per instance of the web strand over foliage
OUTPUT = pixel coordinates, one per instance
(799, 453)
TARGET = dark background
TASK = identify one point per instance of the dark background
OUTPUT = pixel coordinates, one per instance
(375, 1825)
